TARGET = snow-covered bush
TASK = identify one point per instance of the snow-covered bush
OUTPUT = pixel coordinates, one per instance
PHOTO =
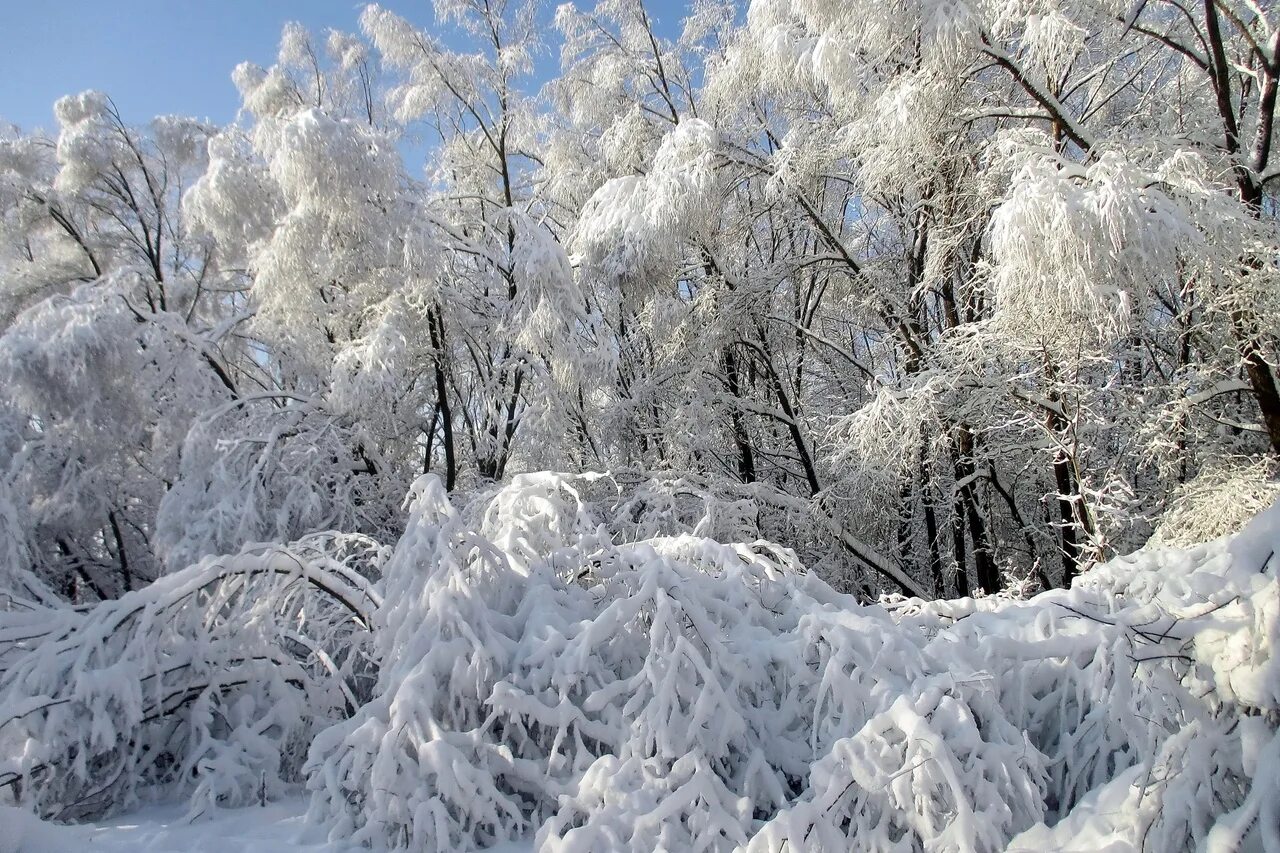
(211, 681)
(265, 469)
(542, 662)
(679, 693)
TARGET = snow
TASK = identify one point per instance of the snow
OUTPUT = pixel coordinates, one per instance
(278, 827)
(1103, 822)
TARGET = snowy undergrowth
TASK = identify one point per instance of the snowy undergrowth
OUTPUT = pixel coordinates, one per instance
(210, 682)
(549, 666)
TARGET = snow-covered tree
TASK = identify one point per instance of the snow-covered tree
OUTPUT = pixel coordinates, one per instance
(115, 337)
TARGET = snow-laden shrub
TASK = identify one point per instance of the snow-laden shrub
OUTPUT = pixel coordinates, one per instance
(549, 662)
(256, 470)
(211, 681)
(545, 676)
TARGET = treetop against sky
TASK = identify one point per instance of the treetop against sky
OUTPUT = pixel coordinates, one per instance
(157, 57)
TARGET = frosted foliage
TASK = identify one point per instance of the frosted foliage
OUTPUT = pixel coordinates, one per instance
(22, 158)
(551, 677)
(1051, 40)
(622, 76)
(836, 45)
(542, 663)
(83, 150)
(654, 508)
(312, 208)
(185, 141)
(1219, 501)
(908, 115)
(631, 226)
(16, 539)
(69, 356)
(836, 295)
(337, 179)
(235, 201)
(549, 301)
(85, 367)
(268, 93)
(373, 376)
(295, 44)
(341, 163)
(349, 51)
(891, 420)
(431, 70)
(839, 51)
(1075, 248)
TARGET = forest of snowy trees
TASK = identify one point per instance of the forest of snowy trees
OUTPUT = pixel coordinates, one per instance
(826, 311)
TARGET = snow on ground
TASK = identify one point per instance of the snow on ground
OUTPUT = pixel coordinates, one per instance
(276, 828)
(279, 827)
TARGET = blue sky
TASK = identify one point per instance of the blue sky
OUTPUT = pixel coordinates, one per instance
(166, 56)
(152, 56)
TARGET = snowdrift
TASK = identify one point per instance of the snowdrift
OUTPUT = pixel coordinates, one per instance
(541, 665)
